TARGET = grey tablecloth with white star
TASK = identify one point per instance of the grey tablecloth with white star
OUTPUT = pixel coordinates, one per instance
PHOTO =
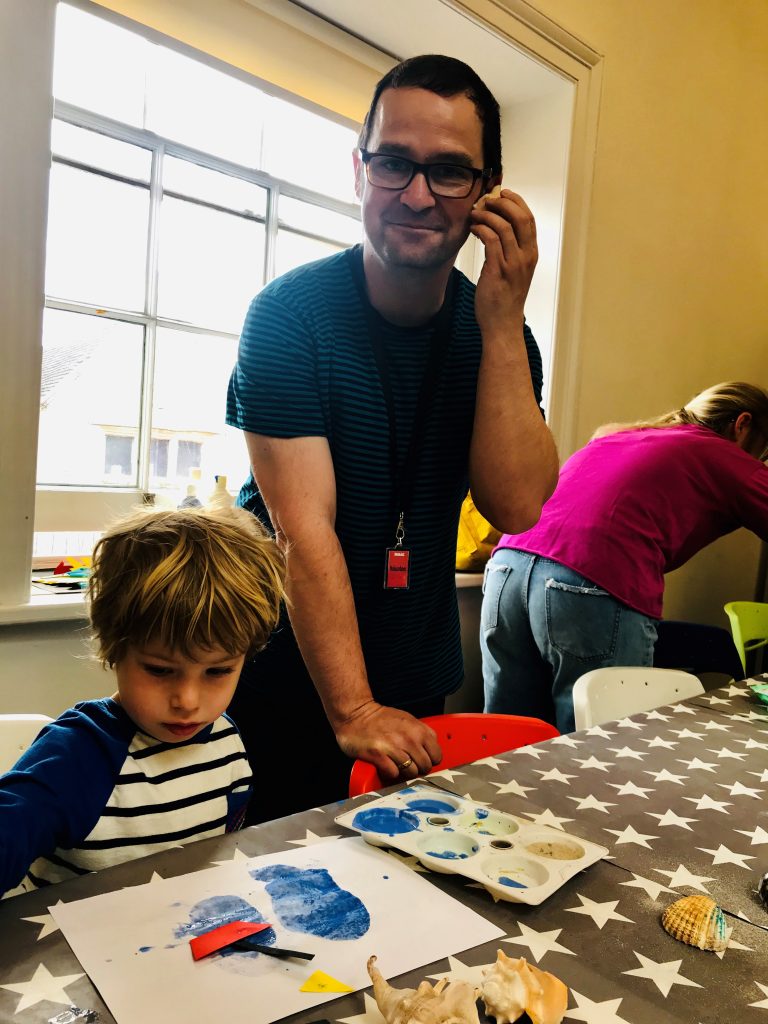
(680, 797)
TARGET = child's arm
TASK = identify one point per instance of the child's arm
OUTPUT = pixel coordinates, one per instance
(57, 790)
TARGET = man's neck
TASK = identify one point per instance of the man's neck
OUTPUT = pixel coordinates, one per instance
(405, 296)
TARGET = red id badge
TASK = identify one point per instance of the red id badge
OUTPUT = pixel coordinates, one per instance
(397, 569)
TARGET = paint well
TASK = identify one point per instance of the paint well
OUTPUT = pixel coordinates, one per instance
(428, 806)
(388, 821)
(308, 900)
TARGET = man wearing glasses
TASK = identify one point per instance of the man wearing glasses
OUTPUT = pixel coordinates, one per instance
(373, 387)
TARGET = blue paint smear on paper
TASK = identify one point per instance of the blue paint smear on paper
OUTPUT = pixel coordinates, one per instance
(309, 900)
(386, 820)
(481, 812)
(144, 949)
(431, 806)
(220, 910)
(511, 882)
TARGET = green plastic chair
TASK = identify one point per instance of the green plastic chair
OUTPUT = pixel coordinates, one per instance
(749, 626)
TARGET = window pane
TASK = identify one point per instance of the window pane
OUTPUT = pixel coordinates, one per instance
(309, 150)
(97, 239)
(202, 107)
(99, 66)
(100, 151)
(191, 376)
(202, 183)
(211, 265)
(90, 400)
(293, 250)
(316, 220)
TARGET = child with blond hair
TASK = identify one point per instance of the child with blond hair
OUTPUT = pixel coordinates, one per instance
(177, 600)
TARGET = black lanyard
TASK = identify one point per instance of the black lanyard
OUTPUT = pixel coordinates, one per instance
(405, 477)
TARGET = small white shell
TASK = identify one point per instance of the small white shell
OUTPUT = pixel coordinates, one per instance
(697, 921)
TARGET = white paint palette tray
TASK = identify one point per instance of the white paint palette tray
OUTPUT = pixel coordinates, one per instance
(514, 859)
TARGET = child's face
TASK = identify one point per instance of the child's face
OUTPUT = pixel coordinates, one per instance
(173, 697)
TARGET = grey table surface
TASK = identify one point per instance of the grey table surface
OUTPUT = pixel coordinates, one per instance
(678, 795)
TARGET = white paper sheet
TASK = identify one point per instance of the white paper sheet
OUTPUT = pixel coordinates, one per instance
(134, 944)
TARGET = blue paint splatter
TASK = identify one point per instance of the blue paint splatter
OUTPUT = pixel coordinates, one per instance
(144, 949)
(386, 820)
(511, 882)
(481, 812)
(449, 829)
(309, 900)
(220, 910)
(448, 855)
(431, 806)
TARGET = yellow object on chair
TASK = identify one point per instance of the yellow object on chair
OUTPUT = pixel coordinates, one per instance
(749, 626)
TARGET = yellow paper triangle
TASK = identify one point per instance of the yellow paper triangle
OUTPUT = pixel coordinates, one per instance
(319, 981)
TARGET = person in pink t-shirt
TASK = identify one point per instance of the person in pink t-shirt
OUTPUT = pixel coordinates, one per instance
(583, 589)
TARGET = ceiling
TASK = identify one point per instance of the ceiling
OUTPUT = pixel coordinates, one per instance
(405, 28)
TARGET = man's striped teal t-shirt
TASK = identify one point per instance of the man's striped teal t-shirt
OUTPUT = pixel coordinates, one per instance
(306, 368)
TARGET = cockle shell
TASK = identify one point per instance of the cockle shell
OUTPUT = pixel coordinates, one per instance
(514, 987)
(445, 1003)
(698, 921)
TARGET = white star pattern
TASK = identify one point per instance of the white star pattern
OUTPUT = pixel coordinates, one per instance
(758, 835)
(566, 741)
(237, 856)
(706, 803)
(629, 835)
(548, 818)
(628, 723)
(737, 789)
(670, 818)
(712, 699)
(410, 862)
(657, 741)
(591, 803)
(705, 766)
(592, 762)
(41, 986)
(598, 730)
(490, 762)
(722, 855)
(49, 926)
(457, 971)
(761, 776)
(630, 789)
(512, 787)
(554, 775)
(311, 839)
(665, 776)
(725, 752)
(539, 943)
(656, 715)
(370, 1014)
(600, 913)
(530, 749)
(447, 773)
(751, 744)
(715, 726)
(763, 1004)
(663, 975)
(733, 690)
(682, 876)
(627, 752)
(686, 734)
(653, 889)
(681, 709)
(595, 1013)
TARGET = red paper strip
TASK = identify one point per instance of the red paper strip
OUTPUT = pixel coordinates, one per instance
(203, 945)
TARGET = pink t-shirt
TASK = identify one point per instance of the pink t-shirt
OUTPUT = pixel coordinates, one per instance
(634, 505)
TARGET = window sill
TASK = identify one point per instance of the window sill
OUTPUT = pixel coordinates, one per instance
(41, 608)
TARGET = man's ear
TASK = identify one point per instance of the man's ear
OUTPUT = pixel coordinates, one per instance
(357, 163)
(492, 183)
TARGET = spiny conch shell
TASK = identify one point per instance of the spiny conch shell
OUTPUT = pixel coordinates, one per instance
(698, 921)
(514, 987)
(446, 1003)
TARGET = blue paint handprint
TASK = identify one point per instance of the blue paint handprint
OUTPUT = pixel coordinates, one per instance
(309, 900)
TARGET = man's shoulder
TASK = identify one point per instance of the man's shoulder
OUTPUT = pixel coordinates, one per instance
(301, 283)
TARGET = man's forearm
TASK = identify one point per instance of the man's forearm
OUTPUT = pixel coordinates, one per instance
(513, 459)
(322, 613)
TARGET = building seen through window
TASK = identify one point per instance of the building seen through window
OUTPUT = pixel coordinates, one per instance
(176, 192)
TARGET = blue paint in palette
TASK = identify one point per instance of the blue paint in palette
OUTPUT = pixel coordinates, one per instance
(481, 812)
(448, 855)
(387, 821)
(309, 900)
(431, 806)
(511, 882)
(220, 910)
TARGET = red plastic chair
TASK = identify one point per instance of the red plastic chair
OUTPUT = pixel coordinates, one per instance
(464, 738)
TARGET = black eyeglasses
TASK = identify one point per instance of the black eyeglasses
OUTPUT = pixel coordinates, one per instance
(452, 181)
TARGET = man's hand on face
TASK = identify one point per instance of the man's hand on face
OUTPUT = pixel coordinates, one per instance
(396, 743)
(506, 227)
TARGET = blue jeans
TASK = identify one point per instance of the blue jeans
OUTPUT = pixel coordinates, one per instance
(542, 626)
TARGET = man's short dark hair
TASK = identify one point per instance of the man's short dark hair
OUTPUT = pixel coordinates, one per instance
(445, 76)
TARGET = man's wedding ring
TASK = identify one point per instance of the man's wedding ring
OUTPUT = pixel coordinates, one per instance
(405, 764)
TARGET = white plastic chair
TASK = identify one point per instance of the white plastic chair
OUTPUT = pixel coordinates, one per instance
(16, 734)
(606, 694)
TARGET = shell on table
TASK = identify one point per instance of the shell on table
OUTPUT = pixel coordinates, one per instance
(698, 921)
(444, 1003)
(513, 987)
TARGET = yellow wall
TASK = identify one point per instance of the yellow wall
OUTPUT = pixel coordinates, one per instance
(265, 46)
(676, 282)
